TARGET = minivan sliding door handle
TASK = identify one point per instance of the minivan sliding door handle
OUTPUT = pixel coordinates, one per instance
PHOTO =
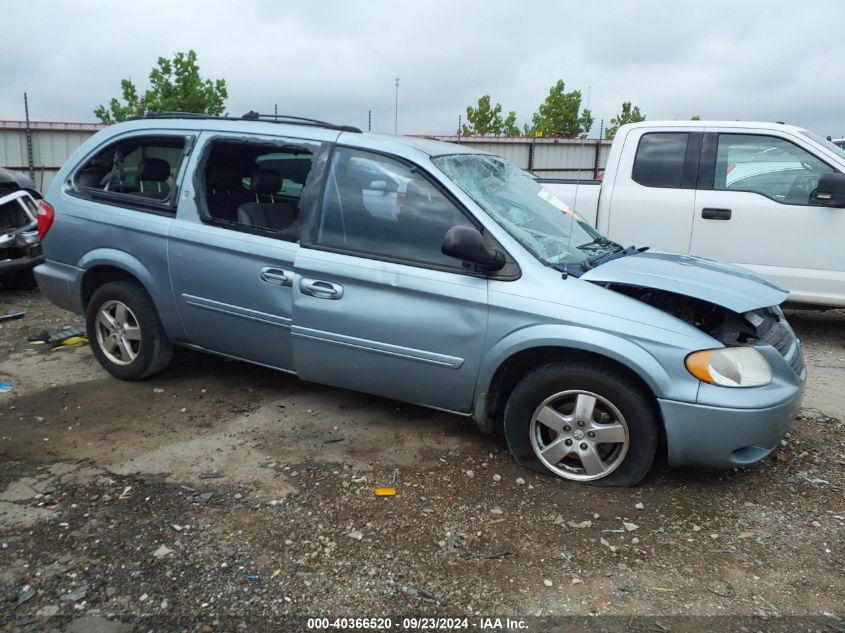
(716, 214)
(276, 276)
(321, 289)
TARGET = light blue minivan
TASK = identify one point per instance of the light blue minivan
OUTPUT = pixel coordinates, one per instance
(422, 271)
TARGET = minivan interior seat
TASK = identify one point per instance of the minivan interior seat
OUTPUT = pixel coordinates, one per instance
(153, 170)
(266, 215)
(91, 176)
(225, 194)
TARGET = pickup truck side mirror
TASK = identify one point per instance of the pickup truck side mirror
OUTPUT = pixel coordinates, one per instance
(830, 192)
(467, 244)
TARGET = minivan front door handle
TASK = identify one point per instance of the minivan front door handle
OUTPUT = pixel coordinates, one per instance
(276, 276)
(716, 214)
(321, 289)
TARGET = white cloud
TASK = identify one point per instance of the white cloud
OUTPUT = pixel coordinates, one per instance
(337, 60)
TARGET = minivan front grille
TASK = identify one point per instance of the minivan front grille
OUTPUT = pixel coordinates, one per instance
(780, 335)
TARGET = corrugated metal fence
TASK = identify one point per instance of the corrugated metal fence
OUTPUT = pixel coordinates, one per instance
(550, 158)
(52, 144)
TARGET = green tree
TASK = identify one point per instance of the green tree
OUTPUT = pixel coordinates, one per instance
(695, 117)
(483, 119)
(175, 86)
(510, 128)
(560, 114)
(629, 114)
(486, 119)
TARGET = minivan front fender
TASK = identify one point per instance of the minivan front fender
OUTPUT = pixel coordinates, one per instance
(636, 358)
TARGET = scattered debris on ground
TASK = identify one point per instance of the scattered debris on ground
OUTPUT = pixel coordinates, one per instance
(211, 491)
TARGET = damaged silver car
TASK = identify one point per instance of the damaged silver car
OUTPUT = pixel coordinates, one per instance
(421, 271)
(20, 248)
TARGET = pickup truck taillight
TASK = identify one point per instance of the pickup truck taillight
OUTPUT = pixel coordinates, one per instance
(46, 213)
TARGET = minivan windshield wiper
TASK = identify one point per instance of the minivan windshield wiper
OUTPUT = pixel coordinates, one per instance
(616, 253)
(600, 241)
(595, 260)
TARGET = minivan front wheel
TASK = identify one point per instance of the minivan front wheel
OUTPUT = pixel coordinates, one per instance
(125, 332)
(583, 422)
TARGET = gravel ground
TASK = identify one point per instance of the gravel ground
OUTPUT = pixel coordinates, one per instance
(220, 496)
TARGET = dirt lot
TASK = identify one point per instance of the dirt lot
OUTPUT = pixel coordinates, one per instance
(226, 495)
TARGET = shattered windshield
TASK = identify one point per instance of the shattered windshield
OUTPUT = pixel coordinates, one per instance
(534, 216)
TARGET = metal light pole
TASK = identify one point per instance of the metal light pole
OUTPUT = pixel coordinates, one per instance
(396, 113)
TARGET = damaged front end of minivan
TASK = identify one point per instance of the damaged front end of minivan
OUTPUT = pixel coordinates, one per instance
(734, 307)
(766, 325)
(750, 379)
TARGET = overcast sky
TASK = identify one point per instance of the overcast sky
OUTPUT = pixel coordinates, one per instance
(757, 60)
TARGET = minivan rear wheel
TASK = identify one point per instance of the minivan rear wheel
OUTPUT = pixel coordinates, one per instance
(125, 332)
(582, 422)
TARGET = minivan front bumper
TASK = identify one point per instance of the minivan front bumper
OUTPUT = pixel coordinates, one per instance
(705, 436)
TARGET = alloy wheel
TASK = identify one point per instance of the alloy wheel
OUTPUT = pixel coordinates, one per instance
(118, 332)
(579, 435)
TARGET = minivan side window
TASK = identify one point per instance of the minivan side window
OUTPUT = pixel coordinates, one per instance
(140, 169)
(768, 165)
(256, 185)
(384, 209)
(659, 161)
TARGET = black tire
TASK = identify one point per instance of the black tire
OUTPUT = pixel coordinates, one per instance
(154, 350)
(636, 407)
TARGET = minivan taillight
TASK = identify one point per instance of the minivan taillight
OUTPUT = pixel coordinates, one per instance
(45, 217)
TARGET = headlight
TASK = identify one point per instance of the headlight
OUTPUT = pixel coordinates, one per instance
(730, 367)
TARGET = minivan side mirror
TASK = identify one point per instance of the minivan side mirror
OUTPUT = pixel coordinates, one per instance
(467, 244)
(830, 192)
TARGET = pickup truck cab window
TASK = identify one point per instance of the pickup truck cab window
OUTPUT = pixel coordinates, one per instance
(140, 170)
(769, 165)
(382, 208)
(659, 161)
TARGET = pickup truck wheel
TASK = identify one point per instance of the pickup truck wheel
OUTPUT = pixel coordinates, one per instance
(583, 422)
(125, 332)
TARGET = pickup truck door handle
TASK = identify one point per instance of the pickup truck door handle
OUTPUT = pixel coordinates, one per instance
(276, 276)
(716, 214)
(321, 289)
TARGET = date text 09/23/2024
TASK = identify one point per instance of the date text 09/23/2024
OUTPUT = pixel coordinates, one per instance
(416, 624)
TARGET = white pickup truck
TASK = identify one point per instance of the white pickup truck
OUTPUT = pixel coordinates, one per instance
(765, 196)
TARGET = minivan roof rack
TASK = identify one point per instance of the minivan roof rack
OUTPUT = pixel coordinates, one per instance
(297, 120)
(249, 116)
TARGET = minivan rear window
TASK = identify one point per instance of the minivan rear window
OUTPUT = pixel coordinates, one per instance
(659, 161)
(143, 168)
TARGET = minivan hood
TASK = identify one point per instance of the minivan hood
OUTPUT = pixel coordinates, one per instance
(704, 279)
